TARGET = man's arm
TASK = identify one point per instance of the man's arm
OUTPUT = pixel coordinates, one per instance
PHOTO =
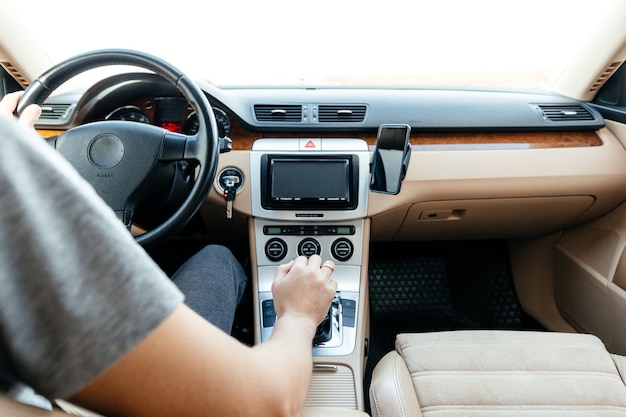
(189, 367)
(186, 366)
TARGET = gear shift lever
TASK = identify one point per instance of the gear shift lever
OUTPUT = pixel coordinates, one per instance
(324, 330)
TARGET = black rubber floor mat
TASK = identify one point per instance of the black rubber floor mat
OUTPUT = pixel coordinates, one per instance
(418, 287)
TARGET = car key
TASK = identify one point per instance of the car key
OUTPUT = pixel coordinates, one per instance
(230, 191)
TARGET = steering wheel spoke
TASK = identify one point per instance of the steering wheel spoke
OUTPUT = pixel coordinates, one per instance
(175, 147)
(194, 148)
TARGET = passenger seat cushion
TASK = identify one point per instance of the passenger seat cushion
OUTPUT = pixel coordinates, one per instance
(504, 373)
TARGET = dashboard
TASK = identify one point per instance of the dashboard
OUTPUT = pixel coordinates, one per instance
(485, 164)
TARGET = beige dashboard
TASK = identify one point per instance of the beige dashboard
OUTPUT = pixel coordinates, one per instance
(493, 185)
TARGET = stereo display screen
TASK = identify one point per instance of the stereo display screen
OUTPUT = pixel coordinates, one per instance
(309, 182)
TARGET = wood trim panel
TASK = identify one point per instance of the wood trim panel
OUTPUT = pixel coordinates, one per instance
(243, 139)
(525, 139)
(46, 133)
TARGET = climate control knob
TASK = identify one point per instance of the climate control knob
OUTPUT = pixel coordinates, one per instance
(275, 249)
(342, 249)
(308, 247)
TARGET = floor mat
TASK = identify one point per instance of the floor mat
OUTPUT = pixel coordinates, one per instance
(443, 286)
(419, 287)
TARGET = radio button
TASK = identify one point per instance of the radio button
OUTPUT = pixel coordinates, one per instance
(308, 247)
(275, 249)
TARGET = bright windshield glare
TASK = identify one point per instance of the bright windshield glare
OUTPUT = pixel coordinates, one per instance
(329, 42)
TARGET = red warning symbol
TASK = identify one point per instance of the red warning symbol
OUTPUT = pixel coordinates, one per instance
(310, 144)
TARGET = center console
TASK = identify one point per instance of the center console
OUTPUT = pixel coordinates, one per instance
(309, 196)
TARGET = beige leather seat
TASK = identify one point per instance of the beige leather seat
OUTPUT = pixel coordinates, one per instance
(498, 373)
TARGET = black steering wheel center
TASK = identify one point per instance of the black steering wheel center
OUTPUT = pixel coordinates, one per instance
(106, 151)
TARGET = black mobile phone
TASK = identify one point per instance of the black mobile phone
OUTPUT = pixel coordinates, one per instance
(391, 158)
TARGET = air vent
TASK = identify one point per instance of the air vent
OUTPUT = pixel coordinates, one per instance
(277, 113)
(565, 113)
(606, 74)
(54, 111)
(341, 114)
(15, 73)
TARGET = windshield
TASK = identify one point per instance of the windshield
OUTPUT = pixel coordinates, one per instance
(328, 42)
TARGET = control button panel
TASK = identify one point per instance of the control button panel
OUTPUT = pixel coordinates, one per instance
(277, 241)
(269, 315)
(349, 312)
(276, 249)
(302, 230)
(309, 247)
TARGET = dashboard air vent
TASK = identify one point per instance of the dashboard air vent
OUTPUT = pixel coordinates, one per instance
(54, 111)
(565, 112)
(350, 113)
(278, 113)
(605, 75)
(15, 73)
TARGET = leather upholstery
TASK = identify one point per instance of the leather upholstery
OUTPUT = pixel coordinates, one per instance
(498, 373)
(391, 389)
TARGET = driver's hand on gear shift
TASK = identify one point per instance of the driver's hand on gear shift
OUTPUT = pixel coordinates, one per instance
(29, 116)
(304, 288)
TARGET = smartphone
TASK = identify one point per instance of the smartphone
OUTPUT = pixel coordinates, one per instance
(391, 158)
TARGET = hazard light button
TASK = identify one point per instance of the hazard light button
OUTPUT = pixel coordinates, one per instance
(310, 144)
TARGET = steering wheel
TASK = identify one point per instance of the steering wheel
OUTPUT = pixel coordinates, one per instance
(120, 158)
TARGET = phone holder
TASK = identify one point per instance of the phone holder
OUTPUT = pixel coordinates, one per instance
(388, 170)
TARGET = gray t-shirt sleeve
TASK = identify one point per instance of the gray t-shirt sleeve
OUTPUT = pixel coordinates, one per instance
(76, 291)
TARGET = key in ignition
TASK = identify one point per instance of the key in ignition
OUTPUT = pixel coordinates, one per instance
(230, 192)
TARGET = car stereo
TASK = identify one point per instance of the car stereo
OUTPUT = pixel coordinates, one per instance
(309, 182)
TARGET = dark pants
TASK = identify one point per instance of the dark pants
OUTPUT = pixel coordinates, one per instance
(213, 283)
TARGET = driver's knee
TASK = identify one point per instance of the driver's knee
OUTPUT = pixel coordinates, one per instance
(221, 260)
(213, 282)
(215, 264)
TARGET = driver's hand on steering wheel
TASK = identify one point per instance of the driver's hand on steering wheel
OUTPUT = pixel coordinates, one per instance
(29, 116)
